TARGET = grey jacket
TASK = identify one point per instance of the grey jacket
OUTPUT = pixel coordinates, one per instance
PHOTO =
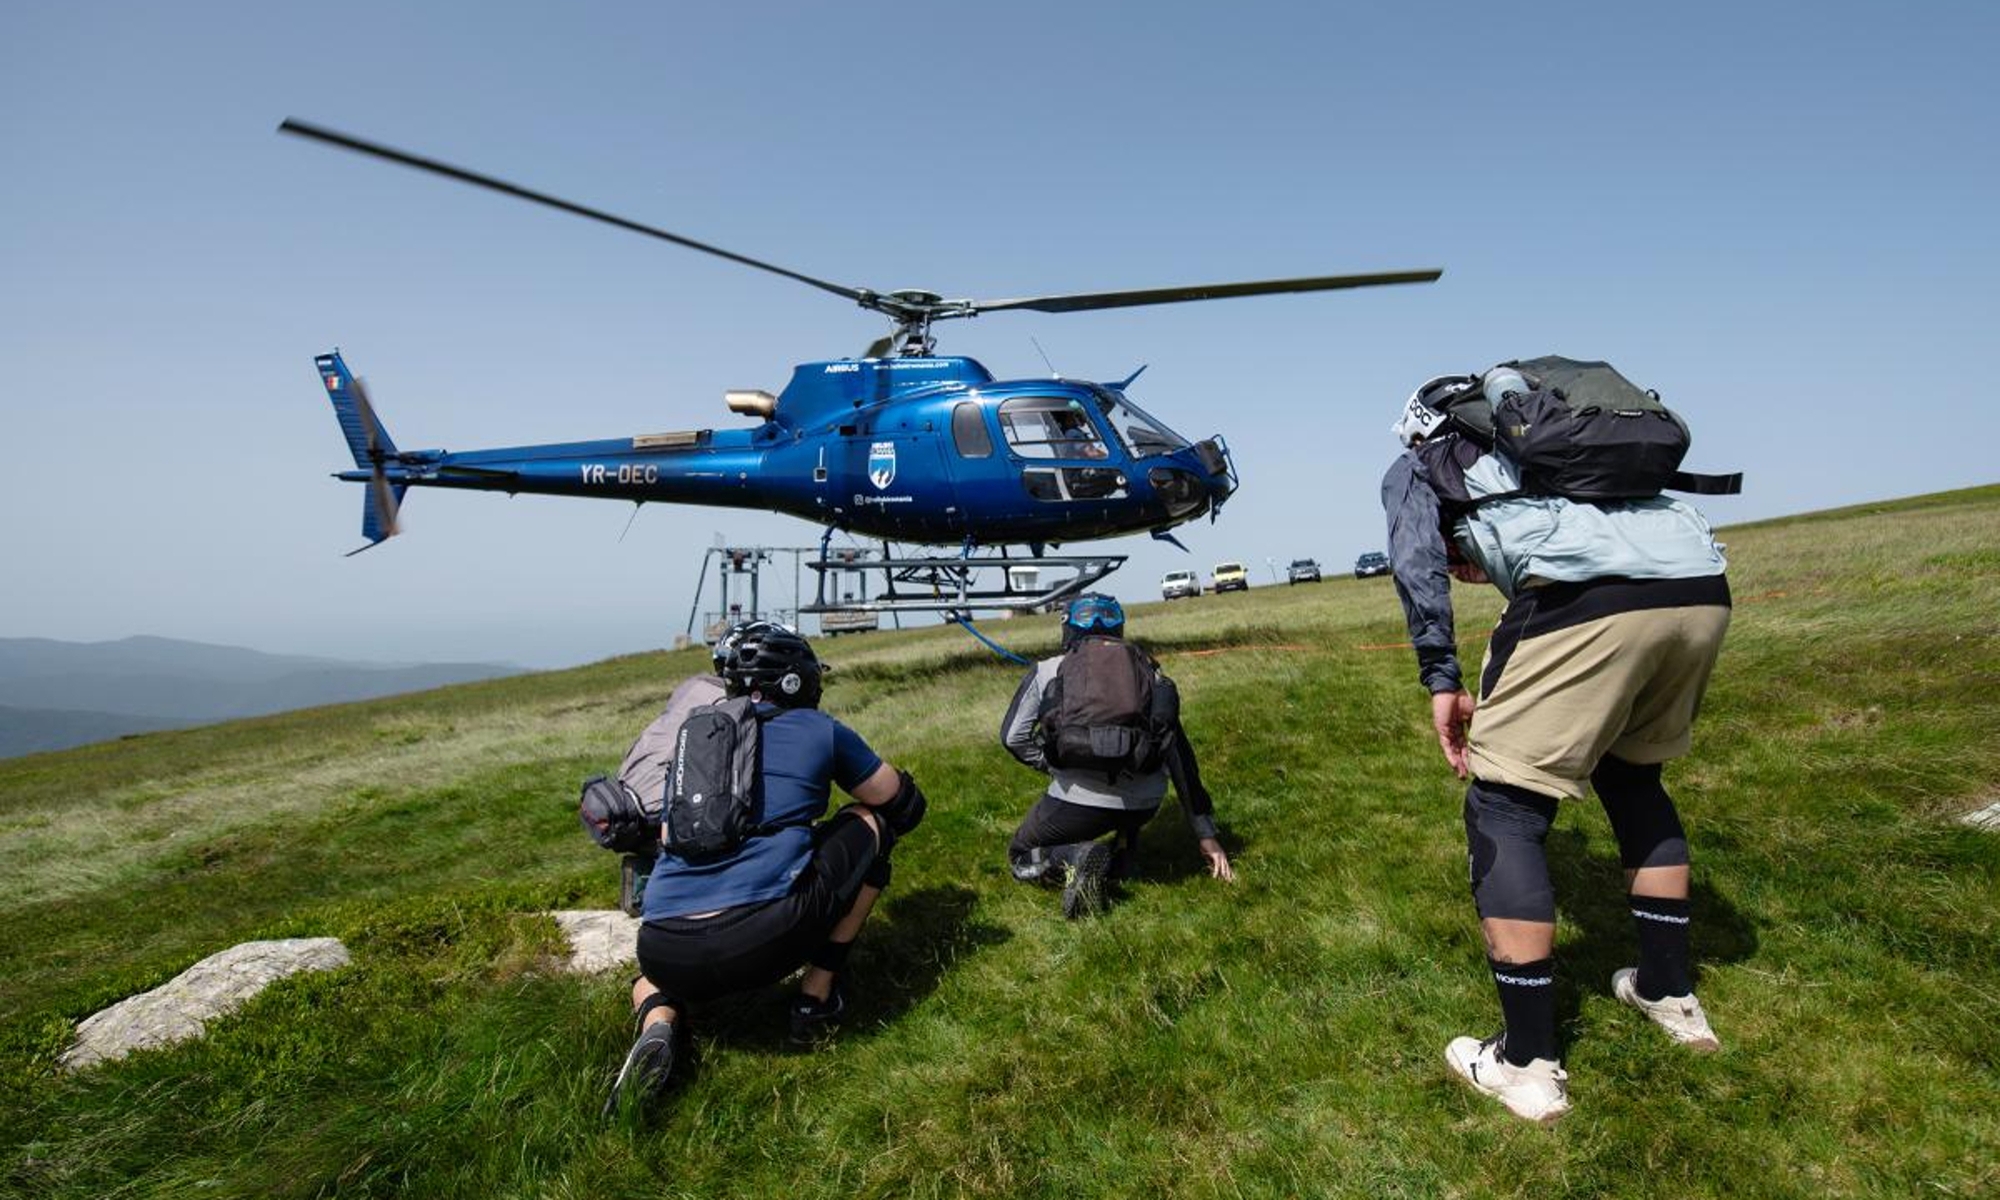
(1519, 542)
(1094, 789)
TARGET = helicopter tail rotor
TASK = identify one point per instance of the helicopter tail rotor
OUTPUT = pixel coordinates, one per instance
(382, 508)
(371, 445)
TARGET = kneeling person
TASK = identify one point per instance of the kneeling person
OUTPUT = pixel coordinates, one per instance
(1103, 722)
(793, 891)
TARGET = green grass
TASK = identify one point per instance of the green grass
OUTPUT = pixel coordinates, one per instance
(1280, 1037)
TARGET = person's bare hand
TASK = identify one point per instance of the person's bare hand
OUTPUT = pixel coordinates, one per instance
(1218, 862)
(1451, 712)
(1466, 572)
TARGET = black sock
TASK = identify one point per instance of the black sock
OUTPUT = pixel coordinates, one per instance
(1663, 946)
(830, 956)
(1528, 1002)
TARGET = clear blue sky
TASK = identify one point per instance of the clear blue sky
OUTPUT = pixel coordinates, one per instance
(1782, 222)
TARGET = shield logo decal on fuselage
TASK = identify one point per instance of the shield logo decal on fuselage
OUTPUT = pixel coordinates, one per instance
(882, 464)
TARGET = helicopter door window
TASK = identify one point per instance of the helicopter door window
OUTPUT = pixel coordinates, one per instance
(1074, 483)
(1050, 427)
(968, 432)
(1043, 484)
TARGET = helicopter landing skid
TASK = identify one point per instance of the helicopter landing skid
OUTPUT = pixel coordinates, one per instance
(952, 584)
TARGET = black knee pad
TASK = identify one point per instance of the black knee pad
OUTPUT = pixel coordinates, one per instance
(1505, 829)
(1643, 817)
(879, 873)
(902, 812)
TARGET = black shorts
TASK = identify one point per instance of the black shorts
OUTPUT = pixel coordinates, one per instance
(693, 959)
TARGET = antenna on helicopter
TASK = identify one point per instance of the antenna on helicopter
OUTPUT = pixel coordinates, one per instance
(1037, 342)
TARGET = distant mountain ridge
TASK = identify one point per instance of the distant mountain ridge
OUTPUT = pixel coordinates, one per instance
(33, 730)
(55, 694)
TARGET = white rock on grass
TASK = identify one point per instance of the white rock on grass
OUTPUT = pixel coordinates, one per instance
(599, 939)
(1984, 818)
(179, 1008)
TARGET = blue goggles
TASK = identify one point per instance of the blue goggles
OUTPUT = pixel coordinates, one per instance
(1095, 612)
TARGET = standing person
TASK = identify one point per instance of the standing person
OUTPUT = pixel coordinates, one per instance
(795, 891)
(1615, 615)
(1103, 722)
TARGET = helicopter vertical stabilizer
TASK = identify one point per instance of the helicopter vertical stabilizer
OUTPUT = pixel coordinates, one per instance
(378, 512)
(358, 423)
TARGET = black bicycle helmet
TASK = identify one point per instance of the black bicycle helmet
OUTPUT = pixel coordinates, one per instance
(734, 634)
(1445, 404)
(773, 662)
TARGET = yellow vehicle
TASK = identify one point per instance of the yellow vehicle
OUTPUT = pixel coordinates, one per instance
(1229, 577)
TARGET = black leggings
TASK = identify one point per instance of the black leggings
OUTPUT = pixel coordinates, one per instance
(1056, 832)
(1506, 828)
(693, 959)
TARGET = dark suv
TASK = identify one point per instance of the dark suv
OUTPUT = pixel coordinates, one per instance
(1302, 570)
(1372, 563)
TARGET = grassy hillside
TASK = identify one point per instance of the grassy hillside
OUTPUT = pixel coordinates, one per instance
(1283, 1036)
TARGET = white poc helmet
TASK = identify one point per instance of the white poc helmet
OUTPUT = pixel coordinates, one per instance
(1426, 409)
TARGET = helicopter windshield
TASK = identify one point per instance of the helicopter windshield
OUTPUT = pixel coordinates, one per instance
(1142, 434)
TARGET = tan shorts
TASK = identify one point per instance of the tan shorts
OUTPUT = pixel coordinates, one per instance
(1576, 671)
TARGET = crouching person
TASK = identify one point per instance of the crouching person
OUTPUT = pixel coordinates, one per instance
(1103, 722)
(749, 888)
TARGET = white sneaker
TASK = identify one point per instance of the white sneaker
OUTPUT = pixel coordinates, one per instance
(1536, 1092)
(1680, 1016)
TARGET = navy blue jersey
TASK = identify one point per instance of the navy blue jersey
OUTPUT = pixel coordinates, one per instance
(801, 752)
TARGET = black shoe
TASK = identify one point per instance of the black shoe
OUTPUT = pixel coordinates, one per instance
(813, 1020)
(648, 1064)
(1083, 887)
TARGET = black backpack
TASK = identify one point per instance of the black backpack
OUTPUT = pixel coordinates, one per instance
(1585, 432)
(711, 800)
(1108, 709)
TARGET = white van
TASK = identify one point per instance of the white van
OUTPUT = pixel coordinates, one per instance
(1176, 584)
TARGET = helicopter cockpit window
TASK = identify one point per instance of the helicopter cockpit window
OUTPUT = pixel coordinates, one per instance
(968, 432)
(1050, 427)
(1142, 434)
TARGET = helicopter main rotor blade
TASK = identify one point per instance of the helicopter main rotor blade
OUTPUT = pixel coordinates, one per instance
(1204, 291)
(331, 137)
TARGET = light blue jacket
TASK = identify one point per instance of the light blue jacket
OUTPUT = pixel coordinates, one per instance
(1520, 541)
(1526, 540)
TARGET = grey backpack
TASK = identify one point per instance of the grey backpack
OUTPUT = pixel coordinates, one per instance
(651, 757)
(712, 806)
(623, 813)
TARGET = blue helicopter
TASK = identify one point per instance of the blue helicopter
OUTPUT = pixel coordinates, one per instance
(900, 445)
